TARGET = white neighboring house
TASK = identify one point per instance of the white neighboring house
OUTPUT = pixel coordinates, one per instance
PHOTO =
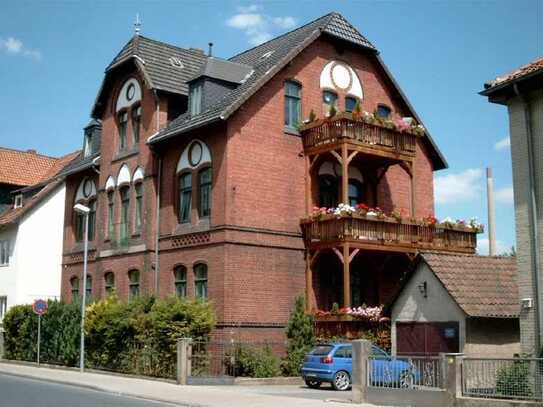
(31, 238)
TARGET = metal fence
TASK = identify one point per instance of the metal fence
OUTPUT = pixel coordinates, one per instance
(406, 372)
(514, 379)
(228, 358)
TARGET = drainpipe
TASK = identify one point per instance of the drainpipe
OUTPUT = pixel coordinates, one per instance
(534, 227)
(158, 185)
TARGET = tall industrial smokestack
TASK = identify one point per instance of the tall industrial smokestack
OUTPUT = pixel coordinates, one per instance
(491, 213)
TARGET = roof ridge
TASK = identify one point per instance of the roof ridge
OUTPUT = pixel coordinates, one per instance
(33, 152)
(329, 16)
(191, 50)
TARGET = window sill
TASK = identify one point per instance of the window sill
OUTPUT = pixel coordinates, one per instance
(186, 228)
(125, 154)
(292, 131)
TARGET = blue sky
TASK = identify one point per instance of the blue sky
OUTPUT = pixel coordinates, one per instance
(53, 54)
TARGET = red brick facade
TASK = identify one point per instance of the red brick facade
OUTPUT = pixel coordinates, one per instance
(251, 244)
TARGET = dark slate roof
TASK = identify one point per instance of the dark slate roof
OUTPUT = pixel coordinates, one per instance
(80, 164)
(482, 286)
(224, 70)
(280, 51)
(154, 59)
(267, 59)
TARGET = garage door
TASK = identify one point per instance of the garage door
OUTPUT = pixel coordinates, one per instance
(427, 337)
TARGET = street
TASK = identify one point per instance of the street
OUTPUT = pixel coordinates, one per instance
(22, 392)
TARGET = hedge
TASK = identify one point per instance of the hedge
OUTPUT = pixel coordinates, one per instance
(138, 337)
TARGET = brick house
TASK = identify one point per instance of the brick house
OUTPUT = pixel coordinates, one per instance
(198, 173)
(522, 92)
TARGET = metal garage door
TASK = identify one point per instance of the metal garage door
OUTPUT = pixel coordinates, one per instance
(427, 337)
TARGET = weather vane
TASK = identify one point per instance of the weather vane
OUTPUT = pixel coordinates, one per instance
(137, 24)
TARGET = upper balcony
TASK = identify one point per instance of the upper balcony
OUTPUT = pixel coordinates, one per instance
(363, 133)
(379, 232)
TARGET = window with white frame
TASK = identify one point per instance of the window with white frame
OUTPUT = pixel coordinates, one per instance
(3, 306)
(18, 201)
(4, 252)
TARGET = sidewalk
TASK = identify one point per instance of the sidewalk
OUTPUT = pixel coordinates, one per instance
(197, 396)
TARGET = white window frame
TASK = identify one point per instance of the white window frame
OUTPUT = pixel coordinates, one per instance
(4, 252)
(18, 201)
(3, 306)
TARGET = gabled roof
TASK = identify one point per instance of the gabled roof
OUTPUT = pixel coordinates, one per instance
(482, 286)
(24, 168)
(269, 58)
(165, 67)
(44, 187)
(523, 72)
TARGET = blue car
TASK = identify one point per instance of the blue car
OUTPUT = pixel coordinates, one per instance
(332, 363)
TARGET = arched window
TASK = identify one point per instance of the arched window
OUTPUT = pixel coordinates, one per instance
(204, 178)
(328, 191)
(88, 289)
(180, 275)
(136, 122)
(383, 111)
(122, 119)
(185, 197)
(139, 205)
(350, 103)
(74, 283)
(109, 280)
(92, 219)
(200, 281)
(79, 226)
(329, 99)
(133, 284)
(110, 215)
(125, 208)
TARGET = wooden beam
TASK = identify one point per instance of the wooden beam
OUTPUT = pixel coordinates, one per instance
(351, 156)
(338, 157)
(307, 187)
(308, 285)
(338, 254)
(344, 174)
(313, 160)
(353, 254)
(346, 276)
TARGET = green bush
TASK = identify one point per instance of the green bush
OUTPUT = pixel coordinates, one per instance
(301, 338)
(251, 361)
(138, 337)
(514, 380)
(60, 330)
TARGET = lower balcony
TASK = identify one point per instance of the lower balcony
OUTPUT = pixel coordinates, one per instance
(387, 234)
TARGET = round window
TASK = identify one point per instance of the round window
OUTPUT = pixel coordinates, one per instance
(195, 154)
(130, 92)
(341, 76)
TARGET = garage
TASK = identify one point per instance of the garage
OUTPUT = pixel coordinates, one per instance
(428, 338)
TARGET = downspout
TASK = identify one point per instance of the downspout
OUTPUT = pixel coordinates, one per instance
(534, 227)
(159, 176)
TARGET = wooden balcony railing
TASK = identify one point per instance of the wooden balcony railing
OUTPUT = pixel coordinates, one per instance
(386, 234)
(343, 128)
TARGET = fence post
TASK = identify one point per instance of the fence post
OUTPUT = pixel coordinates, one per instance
(453, 377)
(183, 368)
(361, 353)
(1, 342)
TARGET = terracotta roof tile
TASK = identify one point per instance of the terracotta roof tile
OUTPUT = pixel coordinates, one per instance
(518, 73)
(483, 286)
(24, 168)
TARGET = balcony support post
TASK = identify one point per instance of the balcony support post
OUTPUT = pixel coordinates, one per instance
(307, 186)
(346, 276)
(413, 191)
(308, 283)
(344, 174)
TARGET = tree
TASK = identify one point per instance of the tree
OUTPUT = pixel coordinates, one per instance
(300, 337)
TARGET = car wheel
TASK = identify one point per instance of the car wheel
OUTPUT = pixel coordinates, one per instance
(314, 384)
(341, 381)
(407, 380)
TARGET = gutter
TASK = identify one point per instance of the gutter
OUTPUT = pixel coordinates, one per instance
(158, 185)
(534, 232)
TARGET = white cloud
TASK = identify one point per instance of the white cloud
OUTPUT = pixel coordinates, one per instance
(504, 195)
(285, 22)
(483, 245)
(258, 27)
(460, 187)
(14, 46)
(502, 144)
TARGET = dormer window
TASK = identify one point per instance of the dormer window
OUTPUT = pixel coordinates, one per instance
(123, 124)
(136, 121)
(87, 147)
(18, 201)
(195, 99)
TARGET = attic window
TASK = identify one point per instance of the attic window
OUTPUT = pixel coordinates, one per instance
(18, 201)
(176, 62)
(266, 55)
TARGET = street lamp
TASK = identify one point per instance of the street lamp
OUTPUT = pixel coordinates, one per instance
(84, 210)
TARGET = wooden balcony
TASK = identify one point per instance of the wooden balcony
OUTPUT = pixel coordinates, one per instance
(385, 235)
(329, 134)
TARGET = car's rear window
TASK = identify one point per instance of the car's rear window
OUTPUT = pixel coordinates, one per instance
(321, 350)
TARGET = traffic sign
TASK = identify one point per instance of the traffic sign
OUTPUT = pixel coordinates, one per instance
(40, 307)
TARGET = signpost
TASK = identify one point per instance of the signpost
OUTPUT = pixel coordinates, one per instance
(40, 308)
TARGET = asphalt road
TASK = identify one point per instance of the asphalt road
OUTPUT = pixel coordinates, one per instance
(22, 392)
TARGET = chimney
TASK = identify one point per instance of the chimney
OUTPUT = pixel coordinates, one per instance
(491, 213)
(210, 51)
(31, 151)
